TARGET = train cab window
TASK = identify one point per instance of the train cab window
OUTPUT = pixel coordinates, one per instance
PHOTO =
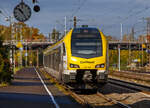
(86, 43)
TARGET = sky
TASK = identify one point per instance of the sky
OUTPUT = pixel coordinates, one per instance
(104, 14)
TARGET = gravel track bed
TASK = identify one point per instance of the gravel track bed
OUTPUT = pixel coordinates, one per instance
(127, 96)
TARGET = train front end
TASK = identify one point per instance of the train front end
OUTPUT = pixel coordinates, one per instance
(87, 56)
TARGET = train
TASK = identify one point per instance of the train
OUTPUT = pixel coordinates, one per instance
(79, 58)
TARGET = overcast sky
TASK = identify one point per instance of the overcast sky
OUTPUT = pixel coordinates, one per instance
(105, 14)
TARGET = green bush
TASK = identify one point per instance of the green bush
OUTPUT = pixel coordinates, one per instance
(6, 74)
(5, 67)
(1, 63)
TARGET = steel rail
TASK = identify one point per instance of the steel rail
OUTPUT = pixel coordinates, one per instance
(130, 85)
(67, 89)
(122, 105)
(83, 101)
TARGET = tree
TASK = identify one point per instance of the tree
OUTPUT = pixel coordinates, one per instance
(1, 63)
(21, 29)
(55, 35)
(125, 37)
(110, 38)
(5, 67)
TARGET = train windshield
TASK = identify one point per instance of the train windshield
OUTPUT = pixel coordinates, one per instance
(86, 43)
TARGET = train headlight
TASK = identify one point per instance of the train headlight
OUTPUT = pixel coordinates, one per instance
(100, 66)
(74, 66)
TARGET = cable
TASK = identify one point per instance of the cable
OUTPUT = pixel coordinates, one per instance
(138, 12)
(79, 7)
(3, 13)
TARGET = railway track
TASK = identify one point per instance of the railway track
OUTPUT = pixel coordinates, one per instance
(136, 94)
(99, 99)
(138, 71)
(121, 104)
(91, 99)
(141, 78)
(129, 85)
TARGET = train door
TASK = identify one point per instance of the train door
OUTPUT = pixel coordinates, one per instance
(62, 63)
(64, 58)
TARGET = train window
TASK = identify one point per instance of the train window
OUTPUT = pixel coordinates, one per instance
(86, 45)
(51, 61)
(64, 50)
(85, 36)
(86, 48)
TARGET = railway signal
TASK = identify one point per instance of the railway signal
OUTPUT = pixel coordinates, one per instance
(75, 21)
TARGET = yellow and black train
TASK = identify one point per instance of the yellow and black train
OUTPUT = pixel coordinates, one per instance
(79, 57)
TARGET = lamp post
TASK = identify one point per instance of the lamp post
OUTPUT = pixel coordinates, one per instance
(9, 19)
(119, 45)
